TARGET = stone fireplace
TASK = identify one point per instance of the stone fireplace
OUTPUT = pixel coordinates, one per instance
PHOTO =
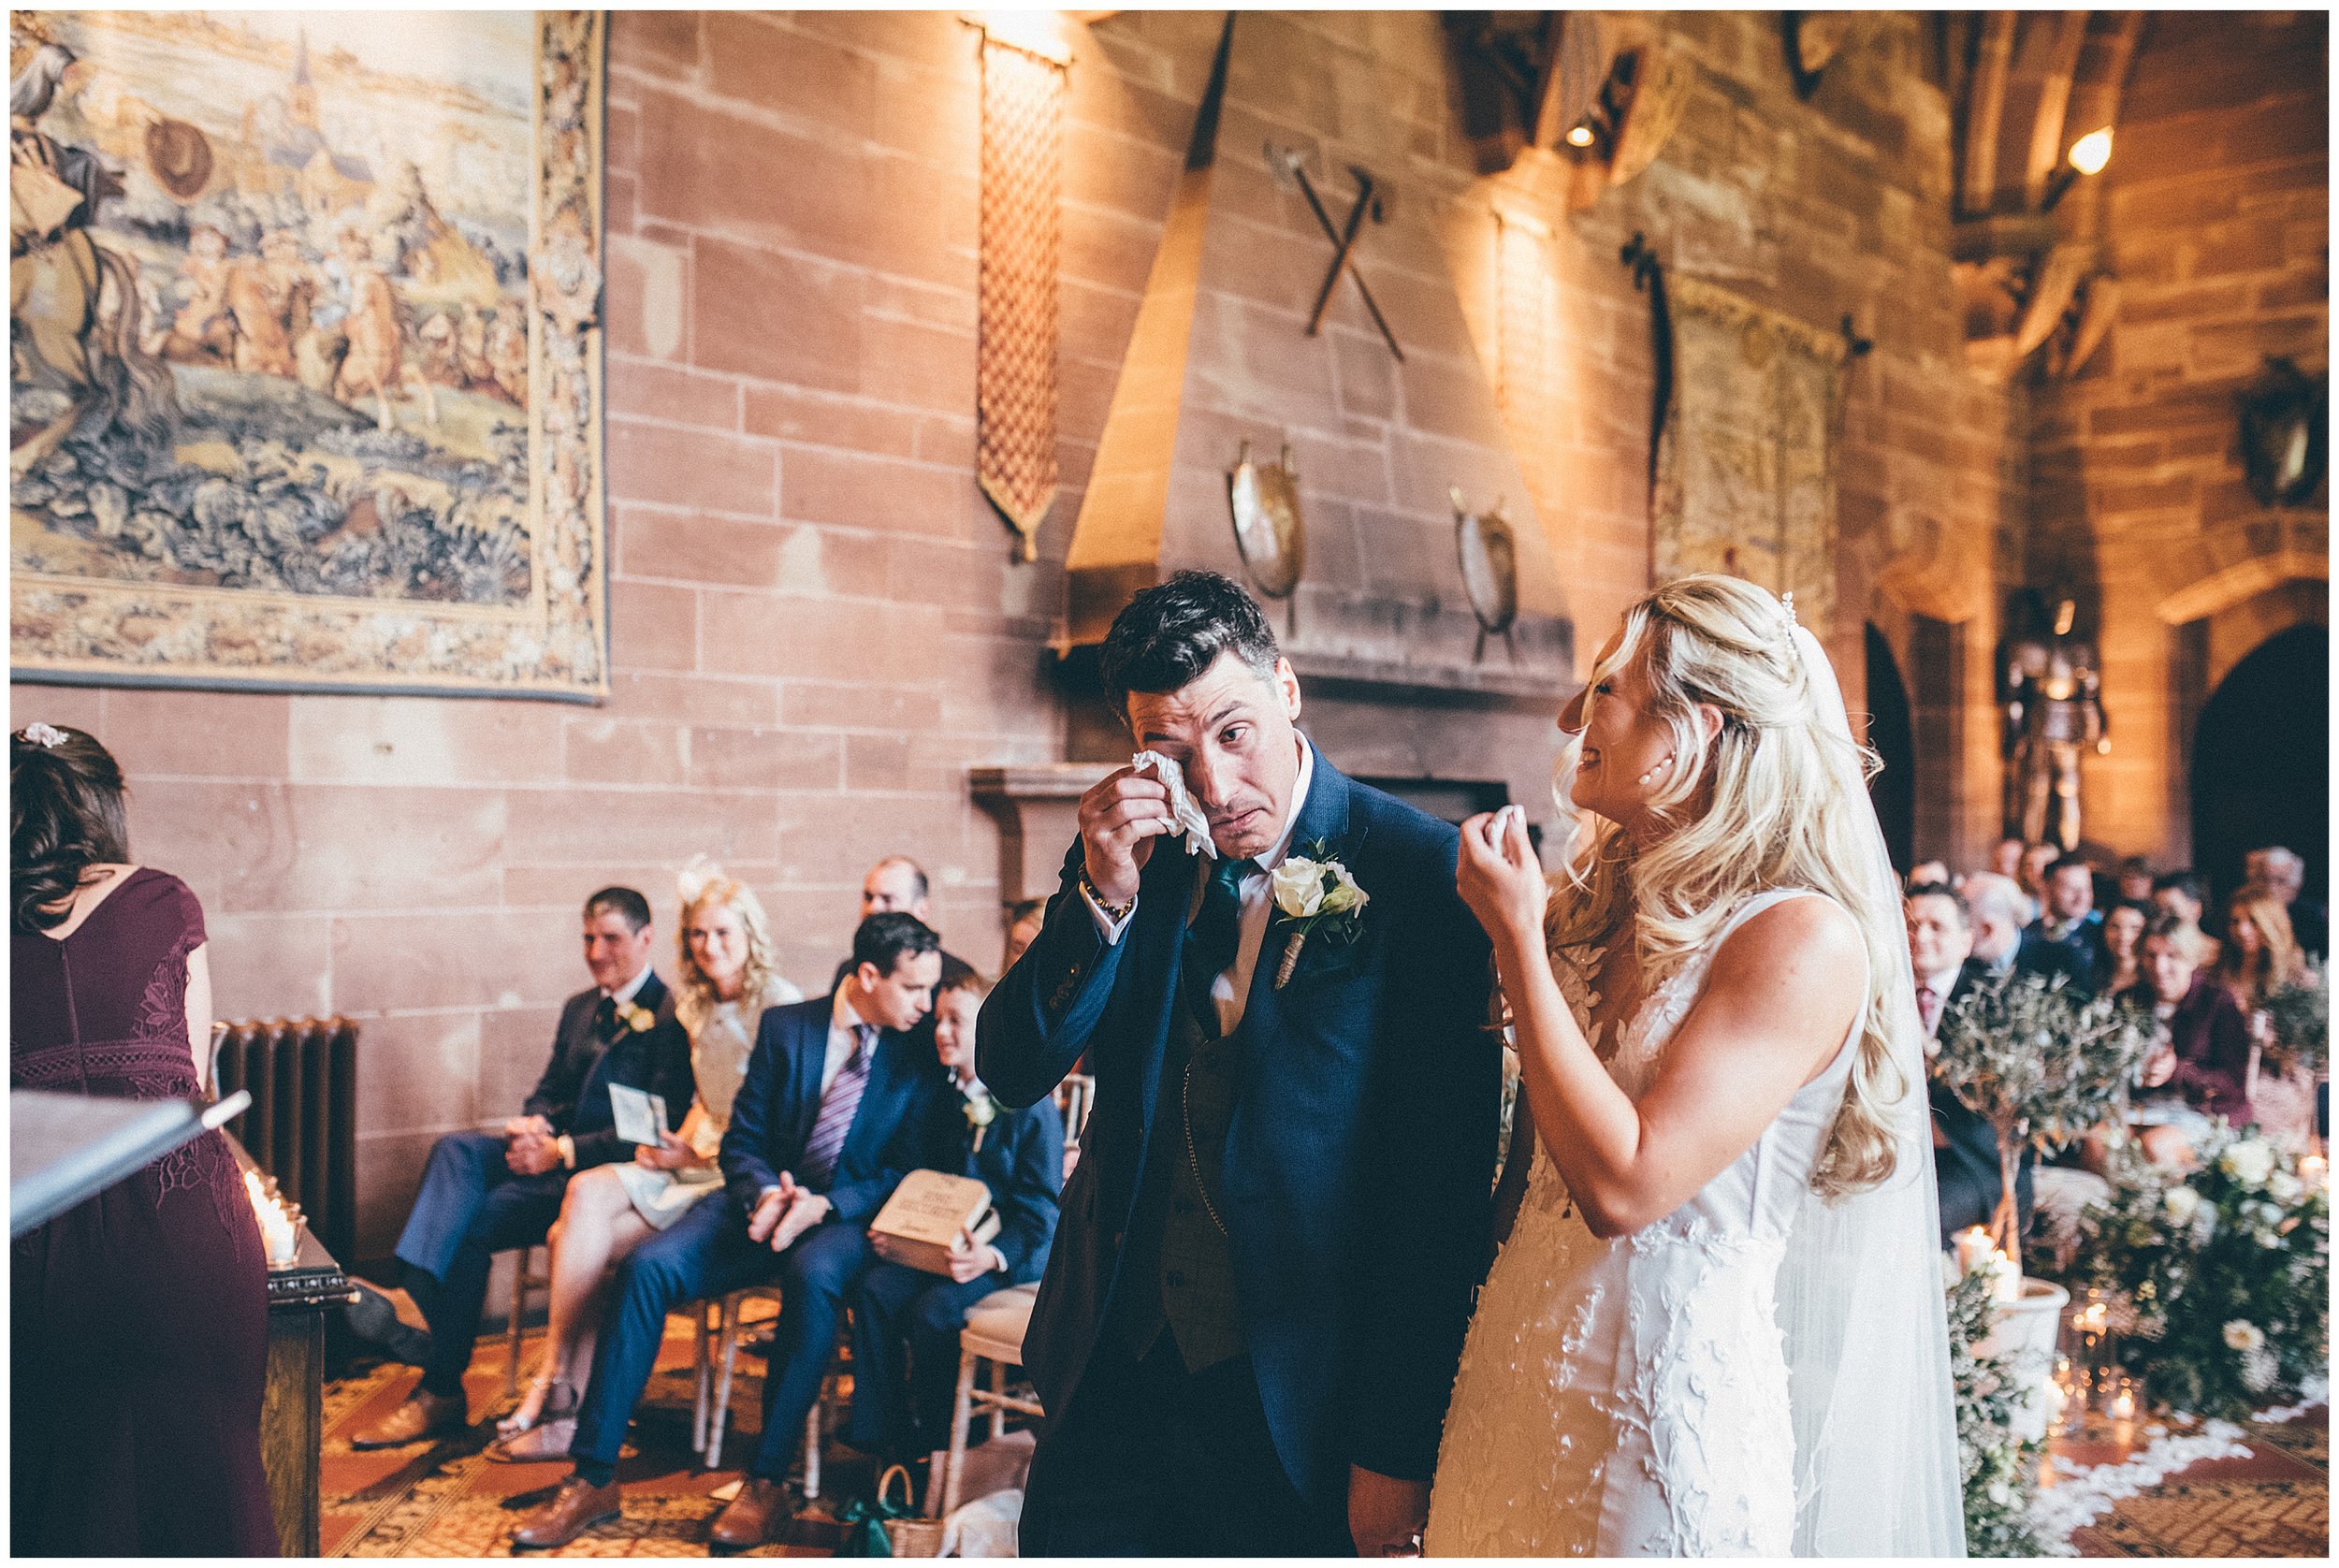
(1400, 685)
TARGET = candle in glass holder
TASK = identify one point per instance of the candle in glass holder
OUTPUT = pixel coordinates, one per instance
(2314, 1169)
(1974, 1249)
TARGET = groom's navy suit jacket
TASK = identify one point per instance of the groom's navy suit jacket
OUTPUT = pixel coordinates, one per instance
(1359, 1156)
(772, 1118)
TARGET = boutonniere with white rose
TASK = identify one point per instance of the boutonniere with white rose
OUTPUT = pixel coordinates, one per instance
(637, 1018)
(1315, 896)
(982, 1110)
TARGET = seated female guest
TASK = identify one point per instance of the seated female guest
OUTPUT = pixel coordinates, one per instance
(727, 981)
(139, 1342)
(2123, 939)
(904, 1315)
(2199, 1074)
(2258, 958)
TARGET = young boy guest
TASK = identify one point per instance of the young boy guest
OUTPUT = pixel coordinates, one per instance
(906, 1321)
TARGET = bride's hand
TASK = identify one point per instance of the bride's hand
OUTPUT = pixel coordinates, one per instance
(1499, 876)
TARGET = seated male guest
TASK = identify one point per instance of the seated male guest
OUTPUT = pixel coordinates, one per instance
(2070, 920)
(896, 884)
(483, 1192)
(1965, 1146)
(904, 1412)
(833, 1113)
(2000, 911)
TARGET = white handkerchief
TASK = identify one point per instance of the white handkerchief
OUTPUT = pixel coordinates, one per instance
(1191, 822)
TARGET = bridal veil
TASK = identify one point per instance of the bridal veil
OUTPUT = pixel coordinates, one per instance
(1860, 1296)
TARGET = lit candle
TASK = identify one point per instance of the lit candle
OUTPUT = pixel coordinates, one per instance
(2006, 1286)
(2314, 1169)
(277, 1233)
(1974, 1249)
(2124, 1406)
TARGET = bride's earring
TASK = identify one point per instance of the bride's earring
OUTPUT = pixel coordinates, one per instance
(1662, 763)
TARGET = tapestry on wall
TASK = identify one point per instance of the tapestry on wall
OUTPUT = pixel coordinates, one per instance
(305, 377)
(1746, 469)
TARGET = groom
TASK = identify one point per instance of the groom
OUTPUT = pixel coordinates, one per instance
(1250, 1323)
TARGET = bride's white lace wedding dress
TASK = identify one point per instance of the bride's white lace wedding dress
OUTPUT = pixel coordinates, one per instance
(1630, 1397)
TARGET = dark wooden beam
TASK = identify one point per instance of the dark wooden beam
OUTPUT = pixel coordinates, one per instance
(1984, 108)
(2055, 96)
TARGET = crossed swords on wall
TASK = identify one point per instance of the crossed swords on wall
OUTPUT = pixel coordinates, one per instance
(1286, 162)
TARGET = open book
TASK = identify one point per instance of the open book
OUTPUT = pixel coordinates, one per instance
(928, 1212)
(637, 1113)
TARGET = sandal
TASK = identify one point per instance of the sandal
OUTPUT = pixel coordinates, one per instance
(548, 1397)
(549, 1440)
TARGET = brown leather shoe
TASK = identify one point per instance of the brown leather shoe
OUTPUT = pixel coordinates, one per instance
(579, 1506)
(754, 1516)
(423, 1415)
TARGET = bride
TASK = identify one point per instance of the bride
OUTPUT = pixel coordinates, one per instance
(1716, 1326)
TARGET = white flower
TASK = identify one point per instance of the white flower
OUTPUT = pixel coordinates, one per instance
(1298, 886)
(2000, 1494)
(2249, 1161)
(1345, 894)
(2284, 1188)
(2242, 1335)
(2182, 1203)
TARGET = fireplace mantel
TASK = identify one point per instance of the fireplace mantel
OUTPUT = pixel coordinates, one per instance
(1037, 806)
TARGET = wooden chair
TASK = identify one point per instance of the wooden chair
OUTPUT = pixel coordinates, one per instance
(1074, 1096)
(718, 1319)
(994, 1333)
(524, 1279)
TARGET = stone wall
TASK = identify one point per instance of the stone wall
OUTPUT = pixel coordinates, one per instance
(2218, 223)
(818, 625)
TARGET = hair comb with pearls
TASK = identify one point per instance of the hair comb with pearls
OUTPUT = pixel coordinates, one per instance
(47, 736)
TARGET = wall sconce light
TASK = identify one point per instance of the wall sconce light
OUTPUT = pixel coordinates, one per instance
(2088, 155)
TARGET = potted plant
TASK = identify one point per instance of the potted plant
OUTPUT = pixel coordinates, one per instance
(2041, 1064)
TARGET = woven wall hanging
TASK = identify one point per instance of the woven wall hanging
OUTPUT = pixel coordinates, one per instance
(1021, 231)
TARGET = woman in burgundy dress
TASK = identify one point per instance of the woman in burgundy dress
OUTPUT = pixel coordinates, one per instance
(140, 1341)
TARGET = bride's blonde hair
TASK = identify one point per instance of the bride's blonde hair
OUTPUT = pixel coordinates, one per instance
(1786, 805)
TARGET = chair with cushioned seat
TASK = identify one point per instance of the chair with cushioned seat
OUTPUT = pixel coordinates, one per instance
(994, 1333)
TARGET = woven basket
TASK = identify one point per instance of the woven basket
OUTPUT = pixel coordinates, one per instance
(908, 1537)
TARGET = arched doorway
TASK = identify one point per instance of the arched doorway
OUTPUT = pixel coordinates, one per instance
(2261, 761)
(1895, 789)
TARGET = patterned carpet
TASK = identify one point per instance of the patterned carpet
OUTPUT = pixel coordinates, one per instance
(2275, 1502)
(444, 1500)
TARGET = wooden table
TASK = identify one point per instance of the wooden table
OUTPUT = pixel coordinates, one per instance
(292, 1407)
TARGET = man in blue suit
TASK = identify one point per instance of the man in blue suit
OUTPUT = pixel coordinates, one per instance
(901, 1409)
(1248, 1331)
(831, 1116)
(483, 1192)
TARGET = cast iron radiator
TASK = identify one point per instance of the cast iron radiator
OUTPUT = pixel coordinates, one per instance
(302, 1124)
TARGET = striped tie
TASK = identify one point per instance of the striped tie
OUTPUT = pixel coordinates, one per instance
(836, 1112)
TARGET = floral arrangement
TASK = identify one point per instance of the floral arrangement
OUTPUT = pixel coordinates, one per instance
(1315, 894)
(2041, 1064)
(2299, 1015)
(636, 1016)
(980, 1110)
(2219, 1277)
(1999, 1470)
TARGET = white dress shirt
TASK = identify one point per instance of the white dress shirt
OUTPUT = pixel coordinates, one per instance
(1231, 990)
(1941, 984)
(624, 994)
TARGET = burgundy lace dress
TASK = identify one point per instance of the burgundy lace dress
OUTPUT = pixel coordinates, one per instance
(139, 1342)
